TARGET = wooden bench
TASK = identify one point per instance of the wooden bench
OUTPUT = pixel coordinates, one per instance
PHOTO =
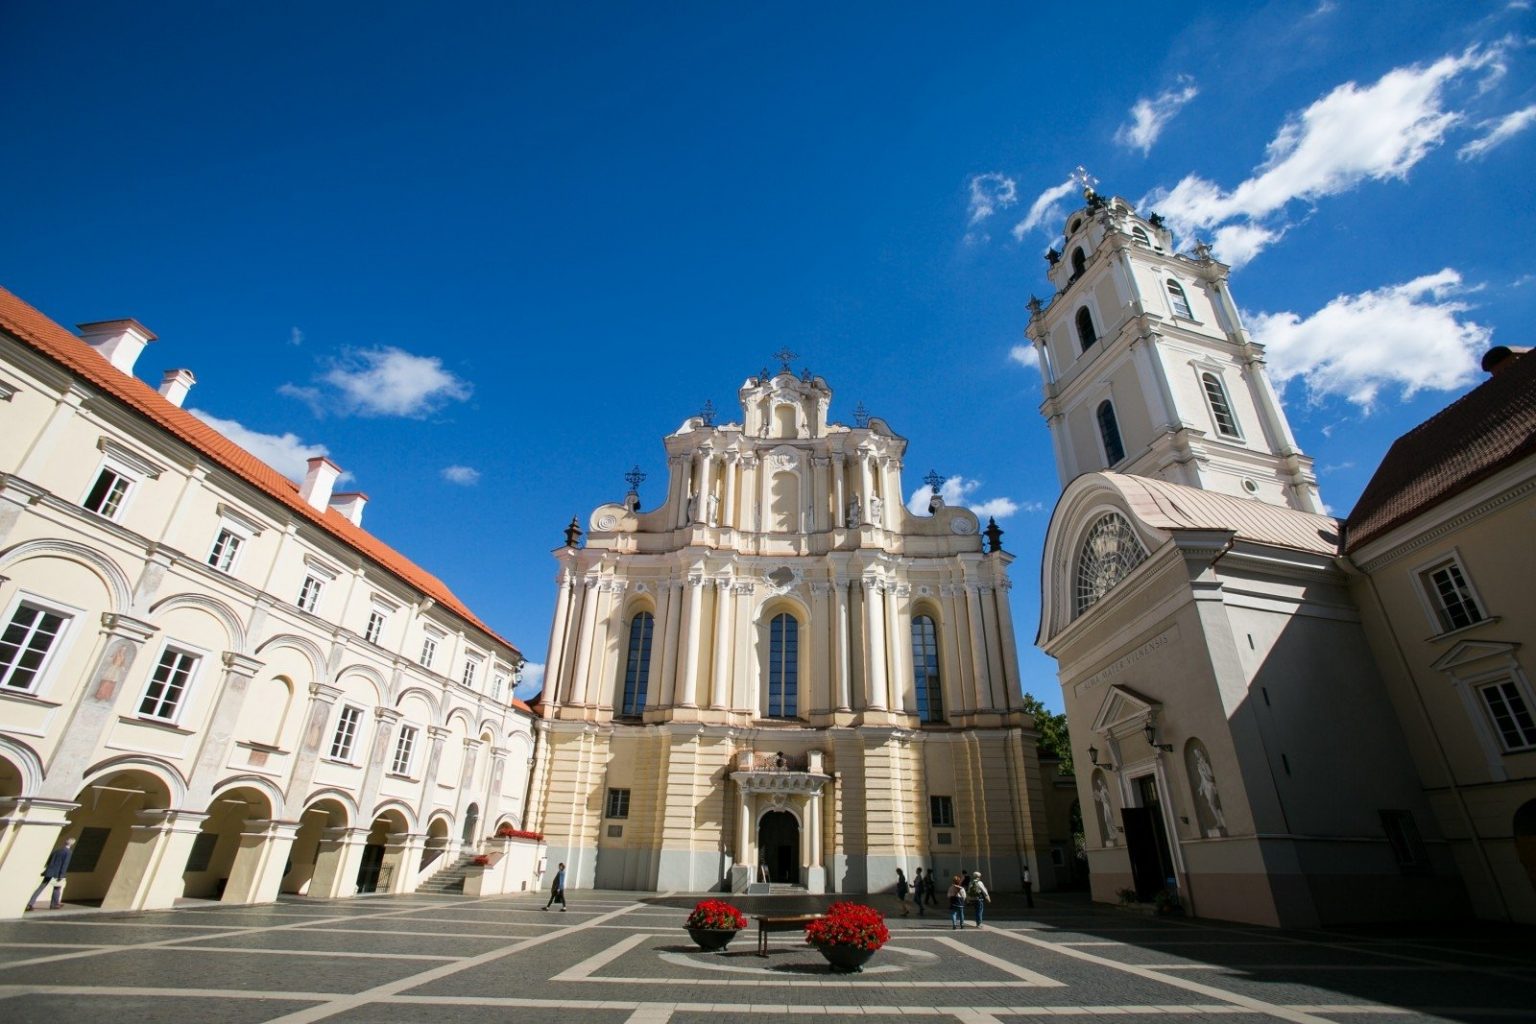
(785, 923)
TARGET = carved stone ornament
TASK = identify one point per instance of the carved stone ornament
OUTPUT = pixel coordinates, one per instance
(607, 521)
(963, 524)
(781, 579)
(783, 458)
(780, 785)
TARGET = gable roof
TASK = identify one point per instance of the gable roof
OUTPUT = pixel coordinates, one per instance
(1488, 428)
(1170, 506)
(49, 339)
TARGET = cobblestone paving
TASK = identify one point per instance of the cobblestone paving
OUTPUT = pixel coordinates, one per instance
(623, 957)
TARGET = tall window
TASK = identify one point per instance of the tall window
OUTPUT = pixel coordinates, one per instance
(1221, 409)
(618, 804)
(1109, 433)
(1179, 300)
(375, 627)
(24, 647)
(428, 650)
(497, 685)
(1455, 605)
(925, 669)
(471, 669)
(1079, 263)
(1141, 236)
(1085, 333)
(346, 732)
(107, 493)
(783, 666)
(637, 668)
(941, 811)
(1511, 718)
(225, 548)
(405, 744)
(309, 593)
(168, 685)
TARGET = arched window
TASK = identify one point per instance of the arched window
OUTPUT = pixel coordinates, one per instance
(1221, 409)
(1180, 300)
(1109, 553)
(1141, 236)
(1109, 432)
(1079, 263)
(1086, 335)
(925, 669)
(783, 666)
(637, 669)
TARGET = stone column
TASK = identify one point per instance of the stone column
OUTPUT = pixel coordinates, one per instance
(1012, 688)
(874, 645)
(439, 735)
(719, 688)
(257, 872)
(494, 778)
(729, 518)
(402, 854)
(96, 710)
(578, 683)
(978, 648)
(842, 653)
(465, 795)
(148, 876)
(337, 861)
(384, 721)
(558, 630)
(671, 626)
(866, 484)
(322, 698)
(678, 470)
(690, 679)
(29, 830)
(819, 492)
(995, 680)
(903, 688)
(956, 678)
(744, 666)
(603, 680)
(839, 487)
(219, 736)
(751, 517)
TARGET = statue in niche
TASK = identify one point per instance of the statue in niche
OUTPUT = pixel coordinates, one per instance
(854, 513)
(1106, 810)
(1212, 819)
(875, 508)
(691, 508)
(712, 507)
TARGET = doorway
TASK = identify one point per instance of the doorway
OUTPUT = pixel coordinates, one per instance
(1146, 839)
(778, 846)
(471, 821)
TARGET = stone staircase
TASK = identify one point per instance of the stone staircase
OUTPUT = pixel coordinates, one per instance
(449, 880)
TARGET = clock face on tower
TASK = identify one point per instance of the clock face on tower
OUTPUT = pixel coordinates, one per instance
(1109, 553)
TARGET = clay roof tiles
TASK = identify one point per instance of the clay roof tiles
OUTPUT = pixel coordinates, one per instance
(50, 339)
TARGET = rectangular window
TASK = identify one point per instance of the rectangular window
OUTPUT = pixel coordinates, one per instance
(497, 686)
(1221, 409)
(1452, 597)
(1403, 836)
(28, 639)
(428, 651)
(107, 493)
(471, 669)
(405, 744)
(618, 804)
(375, 627)
(941, 811)
(346, 732)
(168, 685)
(225, 548)
(1511, 718)
(309, 593)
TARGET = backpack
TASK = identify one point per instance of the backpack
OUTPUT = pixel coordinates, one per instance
(974, 891)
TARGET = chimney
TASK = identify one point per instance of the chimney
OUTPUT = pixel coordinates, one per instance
(350, 505)
(175, 385)
(316, 488)
(1502, 357)
(119, 341)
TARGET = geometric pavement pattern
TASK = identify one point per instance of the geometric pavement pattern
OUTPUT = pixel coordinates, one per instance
(615, 957)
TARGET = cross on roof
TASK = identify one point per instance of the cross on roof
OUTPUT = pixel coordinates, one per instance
(707, 413)
(934, 481)
(1081, 176)
(784, 355)
(861, 416)
(634, 478)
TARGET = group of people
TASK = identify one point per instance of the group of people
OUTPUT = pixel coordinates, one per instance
(964, 888)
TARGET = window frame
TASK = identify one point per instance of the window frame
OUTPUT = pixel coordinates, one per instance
(928, 679)
(221, 557)
(345, 756)
(1206, 377)
(430, 640)
(1114, 418)
(1176, 293)
(405, 745)
(637, 664)
(1516, 694)
(129, 482)
(309, 596)
(127, 465)
(199, 658)
(1085, 315)
(786, 664)
(43, 674)
(373, 629)
(616, 804)
(941, 811)
(472, 665)
(1430, 595)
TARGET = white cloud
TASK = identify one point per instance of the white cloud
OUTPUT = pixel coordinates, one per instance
(1411, 336)
(466, 476)
(295, 336)
(1046, 210)
(283, 452)
(1351, 135)
(1025, 355)
(991, 192)
(1236, 244)
(1150, 116)
(383, 381)
(532, 680)
(955, 491)
(1502, 130)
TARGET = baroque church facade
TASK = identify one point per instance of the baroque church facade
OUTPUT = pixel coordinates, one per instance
(782, 675)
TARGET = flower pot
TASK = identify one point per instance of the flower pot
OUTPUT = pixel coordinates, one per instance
(712, 939)
(850, 959)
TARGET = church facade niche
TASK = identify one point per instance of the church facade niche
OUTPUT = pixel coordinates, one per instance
(784, 577)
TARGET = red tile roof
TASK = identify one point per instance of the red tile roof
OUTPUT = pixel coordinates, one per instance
(38, 332)
(1490, 427)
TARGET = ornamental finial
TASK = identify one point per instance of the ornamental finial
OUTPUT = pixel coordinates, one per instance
(634, 478)
(707, 413)
(784, 355)
(934, 481)
(861, 416)
(1084, 180)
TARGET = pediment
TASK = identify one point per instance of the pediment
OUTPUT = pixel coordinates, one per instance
(1471, 652)
(1121, 705)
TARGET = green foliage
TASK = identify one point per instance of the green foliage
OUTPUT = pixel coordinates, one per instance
(1054, 740)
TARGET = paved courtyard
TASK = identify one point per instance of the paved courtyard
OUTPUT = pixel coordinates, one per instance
(615, 958)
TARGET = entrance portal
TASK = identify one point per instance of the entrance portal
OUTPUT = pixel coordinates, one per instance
(778, 846)
(1146, 840)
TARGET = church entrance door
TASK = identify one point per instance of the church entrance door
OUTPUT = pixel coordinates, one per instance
(778, 846)
(1146, 840)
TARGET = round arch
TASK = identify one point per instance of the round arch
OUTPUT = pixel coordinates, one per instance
(27, 765)
(234, 629)
(397, 808)
(111, 575)
(257, 782)
(431, 700)
(304, 646)
(780, 838)
(341, 798)
(367, 675)
(175, 792)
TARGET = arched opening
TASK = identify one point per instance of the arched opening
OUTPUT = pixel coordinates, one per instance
(1179, 301)
(437, 841)
(1525, 839)
(784, 503)
(1086, 335)
(637, 665)
(380, 866)
(1109, 433)
(778, 847)
(103, 826)
(783, 668)
(312, 848)
(11, 782)
(925, 669)
(1079, 262)
(471, 822)
(224, 861)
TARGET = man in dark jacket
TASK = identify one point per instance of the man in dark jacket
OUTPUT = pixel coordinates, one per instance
(557, 890)
(54, 871)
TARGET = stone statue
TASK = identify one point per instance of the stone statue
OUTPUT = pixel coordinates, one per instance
(874, 511)
(1205, 788)
(854, 520)
(1106, 811)
(692, 508)
(712, 505)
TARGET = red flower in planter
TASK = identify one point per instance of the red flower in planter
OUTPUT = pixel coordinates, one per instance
(849, 924)
(508, 832)
(716, 914)
(482, 861)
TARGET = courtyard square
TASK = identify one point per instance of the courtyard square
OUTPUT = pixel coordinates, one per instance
(615, 957)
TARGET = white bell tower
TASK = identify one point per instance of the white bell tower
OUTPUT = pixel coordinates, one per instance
(1148, 369)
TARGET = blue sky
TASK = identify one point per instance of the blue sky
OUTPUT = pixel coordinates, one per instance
(485, 256)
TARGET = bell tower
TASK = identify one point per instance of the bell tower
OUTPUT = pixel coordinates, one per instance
(1148, 369)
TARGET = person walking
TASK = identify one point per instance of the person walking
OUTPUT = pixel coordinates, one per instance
(1029, 894)
(54, 871)
(919, 887)
(977, 893)
(933, 885)
(956, 904)
(557, 890)
(902, 888)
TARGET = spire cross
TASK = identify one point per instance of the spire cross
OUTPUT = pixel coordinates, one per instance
(784, 355)
(861, 416)
(934, 481)
(1081, 176)
(634, 478)
(707, 413)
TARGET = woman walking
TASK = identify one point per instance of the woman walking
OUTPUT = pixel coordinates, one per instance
(956, 904)
(919, 883)
(901, 891)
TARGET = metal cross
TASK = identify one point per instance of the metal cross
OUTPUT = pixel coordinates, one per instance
(1082, 177)
(861, 416)
(934, 481)
(634, 478)
(707, 413)
(784, 355)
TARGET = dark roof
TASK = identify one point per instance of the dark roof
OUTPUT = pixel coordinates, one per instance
(1490, 427)
(48, 338)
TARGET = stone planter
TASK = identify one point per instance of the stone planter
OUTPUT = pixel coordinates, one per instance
(712, 939)
(848, 959)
